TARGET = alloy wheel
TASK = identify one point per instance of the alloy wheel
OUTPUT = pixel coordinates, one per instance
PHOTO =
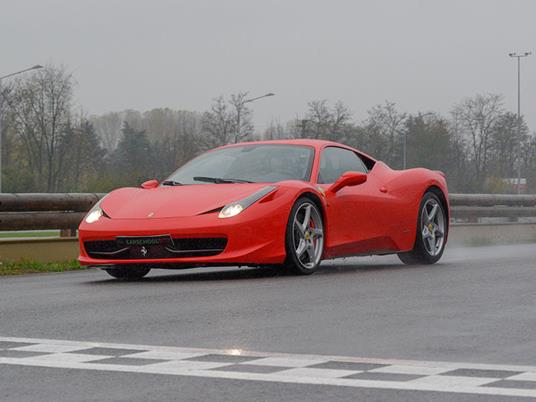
(308, 235)
(432, 226)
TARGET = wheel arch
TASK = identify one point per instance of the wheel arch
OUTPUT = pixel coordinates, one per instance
(318, 202)
(444, 203)
(441, 195)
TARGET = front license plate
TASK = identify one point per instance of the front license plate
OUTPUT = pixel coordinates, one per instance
(160, 240)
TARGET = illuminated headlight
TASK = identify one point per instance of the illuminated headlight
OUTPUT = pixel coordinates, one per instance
(236, 207)
(94, 215)
(230, 210)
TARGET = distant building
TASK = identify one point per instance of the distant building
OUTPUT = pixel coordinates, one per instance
(518, 185)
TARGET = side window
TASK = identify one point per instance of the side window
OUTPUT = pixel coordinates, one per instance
(335, 161)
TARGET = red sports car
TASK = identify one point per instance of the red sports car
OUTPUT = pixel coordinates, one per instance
(288, 203)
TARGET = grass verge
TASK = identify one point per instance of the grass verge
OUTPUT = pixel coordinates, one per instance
(31, 267)
(49, 233)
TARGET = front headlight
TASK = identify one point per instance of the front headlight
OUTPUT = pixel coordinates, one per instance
(95, 213)
(236, 207)
(230, 210)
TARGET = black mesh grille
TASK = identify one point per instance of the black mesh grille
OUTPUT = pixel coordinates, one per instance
(101, 245)
(190, 247)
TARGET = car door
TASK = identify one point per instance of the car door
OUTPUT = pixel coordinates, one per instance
(355, 215)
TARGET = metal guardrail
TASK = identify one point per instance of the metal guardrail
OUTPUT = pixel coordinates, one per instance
(473, 206)
(492, 200)
(43, 211)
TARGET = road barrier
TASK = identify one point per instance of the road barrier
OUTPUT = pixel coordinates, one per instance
(474, 206)
(36, 211)
(39, 211)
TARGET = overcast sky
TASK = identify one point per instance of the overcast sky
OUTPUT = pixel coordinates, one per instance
(138, 54)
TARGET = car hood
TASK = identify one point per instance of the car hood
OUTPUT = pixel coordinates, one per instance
(174, 201)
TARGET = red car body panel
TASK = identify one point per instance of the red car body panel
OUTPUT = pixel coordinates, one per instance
(376, 217)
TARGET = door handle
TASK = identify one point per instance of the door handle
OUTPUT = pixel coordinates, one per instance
(383, 189)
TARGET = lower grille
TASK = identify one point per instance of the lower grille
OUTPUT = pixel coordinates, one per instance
(179, 248)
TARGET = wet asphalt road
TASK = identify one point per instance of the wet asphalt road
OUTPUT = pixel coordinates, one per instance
(477, 305)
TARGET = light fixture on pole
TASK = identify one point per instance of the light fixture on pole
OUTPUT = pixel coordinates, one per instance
(259, 97)
(36, 67)
(239, 110)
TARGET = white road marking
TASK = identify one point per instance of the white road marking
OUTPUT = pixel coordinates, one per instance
(411, 369)
(453, 381)
(68, 357)
(286, 362)
(293, 367)
(527, 376)
(317, 372)
(49, 348)
(163, 355)
(175, 366)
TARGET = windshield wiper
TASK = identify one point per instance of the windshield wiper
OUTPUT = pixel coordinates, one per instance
(220, 180)
(171, 183)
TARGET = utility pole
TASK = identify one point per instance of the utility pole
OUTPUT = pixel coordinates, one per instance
(303, 126)
(518, 57)
(2, 99)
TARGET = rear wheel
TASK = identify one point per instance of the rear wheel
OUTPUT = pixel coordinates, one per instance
(304, 237)
(128, 273)
(431, 232)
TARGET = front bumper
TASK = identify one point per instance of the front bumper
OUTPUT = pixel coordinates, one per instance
(254, 237)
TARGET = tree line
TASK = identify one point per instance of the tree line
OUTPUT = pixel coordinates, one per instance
(50, 146)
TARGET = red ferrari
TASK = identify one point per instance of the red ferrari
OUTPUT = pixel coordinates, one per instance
(288, 203)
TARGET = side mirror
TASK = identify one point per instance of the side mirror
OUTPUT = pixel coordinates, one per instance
(149, 184)
(347, 179)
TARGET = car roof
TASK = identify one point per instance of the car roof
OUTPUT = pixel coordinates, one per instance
(300, 141)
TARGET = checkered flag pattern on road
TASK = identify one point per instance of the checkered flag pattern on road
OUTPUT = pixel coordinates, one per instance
(487, 379)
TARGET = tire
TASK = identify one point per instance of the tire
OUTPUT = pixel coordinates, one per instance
(304, 238)
(431, 234)
(128, 273)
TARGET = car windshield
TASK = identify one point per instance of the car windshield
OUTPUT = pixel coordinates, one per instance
(248, 163)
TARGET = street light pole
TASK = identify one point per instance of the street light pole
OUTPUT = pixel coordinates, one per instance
(518, 57)
(37, 66)
(239, 110)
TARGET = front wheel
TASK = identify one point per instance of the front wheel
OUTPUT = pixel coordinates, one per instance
(304, 240)
(128, 273)
(432, 229)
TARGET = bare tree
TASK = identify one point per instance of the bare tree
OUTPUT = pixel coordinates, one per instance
(228, 122)
(108, 128)
(476, 118)
(323, 121)
(507, 136)
(528, 156)
(218, 123)
(42, 105)
(275, 131)
(242, 117)
(385, 125)
(175, 133)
